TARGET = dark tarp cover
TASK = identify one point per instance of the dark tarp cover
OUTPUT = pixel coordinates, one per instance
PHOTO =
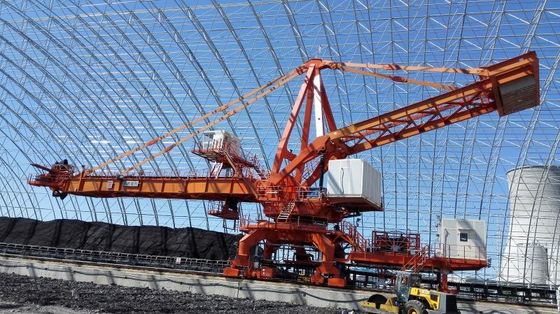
(46, 233)
(72, 233)
(100, 236)
(22, 231)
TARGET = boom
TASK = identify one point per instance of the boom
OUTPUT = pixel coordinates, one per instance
(507, 87)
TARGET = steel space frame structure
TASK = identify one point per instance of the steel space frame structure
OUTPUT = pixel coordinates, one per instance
(55, 103)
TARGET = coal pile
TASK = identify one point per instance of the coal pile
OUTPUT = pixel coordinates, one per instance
(99, 236)
(23, 290)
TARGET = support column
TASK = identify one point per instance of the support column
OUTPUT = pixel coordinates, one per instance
(241, 264)
(443, 285)
(318, 105)
(327, 271)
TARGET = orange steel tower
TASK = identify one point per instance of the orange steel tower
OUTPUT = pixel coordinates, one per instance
(292, 195)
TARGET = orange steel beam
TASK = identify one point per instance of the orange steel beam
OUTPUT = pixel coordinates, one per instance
(283, 144)
(527, 59)
(433, 262)
(202, 188)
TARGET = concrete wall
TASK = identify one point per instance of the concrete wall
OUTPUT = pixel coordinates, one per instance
(182, 281)
(213, 285)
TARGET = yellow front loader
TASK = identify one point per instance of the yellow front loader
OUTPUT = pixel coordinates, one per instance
(411, 299)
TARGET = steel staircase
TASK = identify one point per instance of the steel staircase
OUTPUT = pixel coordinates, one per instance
(358, 242)
(416, 263)
(286, 212)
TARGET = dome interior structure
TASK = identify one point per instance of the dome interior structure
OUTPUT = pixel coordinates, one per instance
(85, 80)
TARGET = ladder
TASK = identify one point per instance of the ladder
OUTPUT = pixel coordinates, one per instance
(216, 169)
(416, 263)
(286, 212)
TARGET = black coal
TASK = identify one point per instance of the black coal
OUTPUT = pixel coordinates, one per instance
(25, 290)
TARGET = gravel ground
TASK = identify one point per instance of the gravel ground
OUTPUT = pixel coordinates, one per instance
(22, 294)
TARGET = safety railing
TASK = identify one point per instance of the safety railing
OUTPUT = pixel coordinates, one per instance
(304, 194)
(175, 262)
(360, 243)
(45, 179)
(244, 221)
(269, 192)
(416, 263)
(395, 241)
(156, 173)
(262, 173)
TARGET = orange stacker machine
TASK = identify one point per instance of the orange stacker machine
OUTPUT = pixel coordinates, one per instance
(301, 212)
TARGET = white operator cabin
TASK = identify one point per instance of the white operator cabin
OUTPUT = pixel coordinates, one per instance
(354, 179)
(462, 238)
(220, 139)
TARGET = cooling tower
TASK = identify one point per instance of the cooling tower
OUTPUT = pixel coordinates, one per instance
(531, 254)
